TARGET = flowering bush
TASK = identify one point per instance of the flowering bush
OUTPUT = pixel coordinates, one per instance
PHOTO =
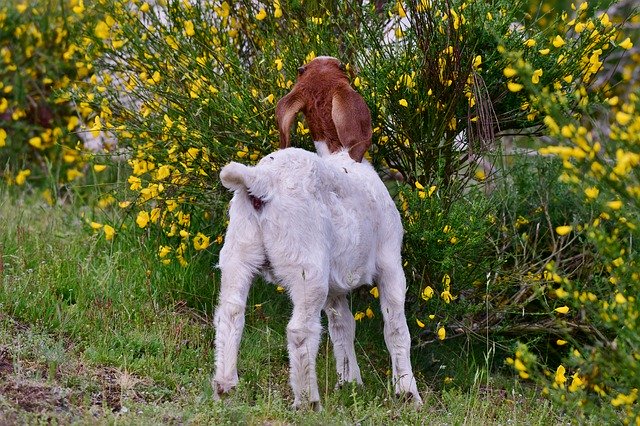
(593, 293)
(39, 45)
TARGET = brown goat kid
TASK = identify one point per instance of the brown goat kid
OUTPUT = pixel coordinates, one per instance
(335, 113)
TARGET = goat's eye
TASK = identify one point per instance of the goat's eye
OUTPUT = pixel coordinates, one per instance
(300, 70)
(342, 66)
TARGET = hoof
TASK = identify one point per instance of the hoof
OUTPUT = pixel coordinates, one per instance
(221, 389)
(407, 397)
(313, 405)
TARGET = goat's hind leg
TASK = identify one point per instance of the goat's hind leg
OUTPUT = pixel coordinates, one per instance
(392, 287)
(342, 330)
(239, 261)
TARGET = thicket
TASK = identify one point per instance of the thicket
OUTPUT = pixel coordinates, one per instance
(499, 244)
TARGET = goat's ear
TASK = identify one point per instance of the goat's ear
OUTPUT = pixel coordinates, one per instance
(235, 176)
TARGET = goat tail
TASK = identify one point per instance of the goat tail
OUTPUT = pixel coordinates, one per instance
(236, 176)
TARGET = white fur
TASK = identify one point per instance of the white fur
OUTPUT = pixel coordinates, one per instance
(326, 225)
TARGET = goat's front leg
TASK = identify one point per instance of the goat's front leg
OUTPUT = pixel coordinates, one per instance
(303, 338)
(342, 330)
(392, 287)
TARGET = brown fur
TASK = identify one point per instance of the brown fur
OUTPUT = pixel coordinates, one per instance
(334, 111)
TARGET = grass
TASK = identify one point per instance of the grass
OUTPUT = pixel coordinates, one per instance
(97, 331)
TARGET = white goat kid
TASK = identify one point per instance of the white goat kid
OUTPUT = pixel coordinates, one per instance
(320, 227)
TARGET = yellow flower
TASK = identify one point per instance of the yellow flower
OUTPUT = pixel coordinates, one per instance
(530, 42)
(620, 299)
(535, 78)
(419, 186)
(626, 44)
(200, 241)
(509, 72)
(144, 8)
(36, 142)
(558, 42)
(403, 102)
(164, 251)
(544, 51)
(99, 167)
(261, 15)
(3, 137)
(562, 309)
(576, 383)
(109, 232)
(427, 293)
(101, 30)
(420, 323)
(563, 230)
(369, 313)
(358, 316)
(280, 289)
(561, 342)
(21, 177)
(615, 205)
(442, 333)
(143, 219)
(592, 192)
(95, 225)
(447, 296)
(477, 61)
(559, 376)
(374, 292)
(623, 118)
(189, 29)
(514, 87)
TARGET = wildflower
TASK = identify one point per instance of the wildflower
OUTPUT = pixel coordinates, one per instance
(562, 309)
(143, 219)
(563, 230)
(3, 137)
(447, 296)
(21, 177)
(514, 87)
(36, 142)
(164, 251)
(544, 51)
(615, 205)
(442, 333)
(626, 44)
(558, 42)
(369, 313)
(530, 42)
(403, 102)
(535, 78)
(101, 30)
(374, 292)
(623, 118)
(592, 192)
(509, 72)
(358, 316)
(200, 241)
(261, 14)
(620, 299)
(560, 378)
(95, 225)
(427, 293)
(561, 342)
(109, 232)
(420, 323)
(280, 289)
(99, 167)
(576, 383)
(188, 28)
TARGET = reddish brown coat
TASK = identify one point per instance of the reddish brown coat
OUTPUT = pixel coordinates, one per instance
(334, 111)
